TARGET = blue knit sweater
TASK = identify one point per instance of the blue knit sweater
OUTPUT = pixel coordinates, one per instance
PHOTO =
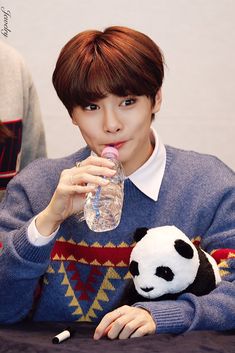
(80, 275)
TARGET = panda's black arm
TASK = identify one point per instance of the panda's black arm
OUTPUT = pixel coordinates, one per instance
(204, 281)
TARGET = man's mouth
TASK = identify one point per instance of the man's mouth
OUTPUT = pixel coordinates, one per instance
(117, 145)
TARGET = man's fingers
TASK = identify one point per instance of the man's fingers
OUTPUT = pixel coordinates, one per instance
(106, 324)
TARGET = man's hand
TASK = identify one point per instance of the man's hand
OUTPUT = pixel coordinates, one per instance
(126, 322)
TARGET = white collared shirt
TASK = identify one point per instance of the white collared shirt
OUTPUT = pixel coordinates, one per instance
(147, 178)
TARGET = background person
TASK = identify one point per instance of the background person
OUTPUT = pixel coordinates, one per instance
(22, 137)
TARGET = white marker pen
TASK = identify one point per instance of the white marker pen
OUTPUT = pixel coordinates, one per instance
(64, 335)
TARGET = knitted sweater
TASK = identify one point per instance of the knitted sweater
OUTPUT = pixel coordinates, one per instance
(83, 273)
(20, 112)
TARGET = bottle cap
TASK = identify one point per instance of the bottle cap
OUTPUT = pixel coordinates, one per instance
(110, 150)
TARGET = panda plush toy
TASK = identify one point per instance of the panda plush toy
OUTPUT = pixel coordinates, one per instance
(164, 263)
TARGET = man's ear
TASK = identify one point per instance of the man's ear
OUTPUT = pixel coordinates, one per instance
(74, 121)
(74, 116)
(158, 101)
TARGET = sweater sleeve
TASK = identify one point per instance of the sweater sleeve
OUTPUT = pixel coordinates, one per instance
(21, 263)
(215, 311)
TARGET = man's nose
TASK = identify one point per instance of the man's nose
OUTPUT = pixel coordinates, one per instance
(112, 122)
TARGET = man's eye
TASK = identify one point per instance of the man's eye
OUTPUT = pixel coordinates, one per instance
(91, 106)
(128, 101)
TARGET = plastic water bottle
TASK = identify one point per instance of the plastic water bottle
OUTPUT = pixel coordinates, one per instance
(103, 208)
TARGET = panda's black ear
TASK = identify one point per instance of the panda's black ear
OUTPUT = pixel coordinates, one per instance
(184, 249)
(140, 233)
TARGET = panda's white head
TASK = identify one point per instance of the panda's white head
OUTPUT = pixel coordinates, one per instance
(163, 261)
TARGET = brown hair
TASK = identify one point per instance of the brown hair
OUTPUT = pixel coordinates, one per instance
(119, 61)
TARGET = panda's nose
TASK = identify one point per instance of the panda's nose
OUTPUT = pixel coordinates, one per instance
(147, 289)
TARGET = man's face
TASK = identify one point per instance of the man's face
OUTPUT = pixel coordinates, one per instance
(123, 122)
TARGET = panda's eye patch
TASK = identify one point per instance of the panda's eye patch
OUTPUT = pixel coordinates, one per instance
(165, 273)
(134, 268)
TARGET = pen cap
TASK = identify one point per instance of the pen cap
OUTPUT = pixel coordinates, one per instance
(63, 335)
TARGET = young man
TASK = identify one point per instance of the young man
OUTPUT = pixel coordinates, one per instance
(110, 83)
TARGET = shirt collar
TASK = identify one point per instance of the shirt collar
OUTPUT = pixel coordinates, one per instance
(148, 177)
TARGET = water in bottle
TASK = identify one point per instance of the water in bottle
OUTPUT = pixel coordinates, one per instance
(103, 208)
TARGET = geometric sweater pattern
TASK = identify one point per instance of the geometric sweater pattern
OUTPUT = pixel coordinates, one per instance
(88, 274)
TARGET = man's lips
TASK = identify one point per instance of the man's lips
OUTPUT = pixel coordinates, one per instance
(117, 145)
